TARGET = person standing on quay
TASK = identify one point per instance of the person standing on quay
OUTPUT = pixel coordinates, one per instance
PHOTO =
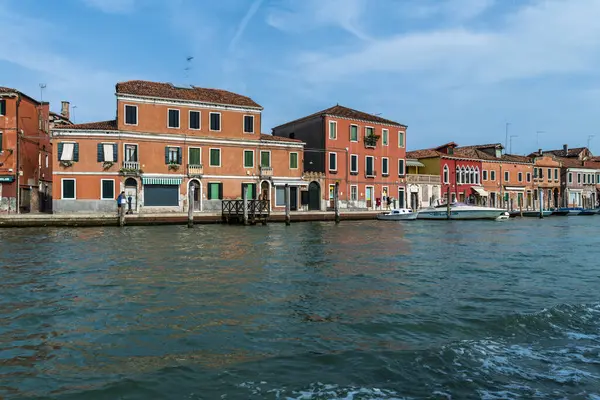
(120, 202)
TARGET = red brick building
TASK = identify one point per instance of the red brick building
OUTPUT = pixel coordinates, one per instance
(364, 153)
(25, 153)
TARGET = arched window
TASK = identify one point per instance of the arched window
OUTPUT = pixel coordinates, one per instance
(472, 175)
(477, 175)
(457, 175)
(468, 175)
(462, 175)
(446, 174)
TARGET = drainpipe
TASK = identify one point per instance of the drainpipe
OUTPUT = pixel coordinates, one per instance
(18, 172)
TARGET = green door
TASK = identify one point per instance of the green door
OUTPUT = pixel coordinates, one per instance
(250, 190)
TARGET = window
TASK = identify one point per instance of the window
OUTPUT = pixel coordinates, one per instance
(293, 160)
(194, 156)
(555, 174)
(463, 175)
(354, 133)
(570, 177)
(506, 176)
(529, 177)
(248, 123)
(248, 158)
(385, 137)
(215, 157)
(215, 121)
(2, 107)
(541, 173)
(353, 192)
(69, 189)
(549, 173)
(68, 151)
(369, 131)
(485, 176)
(131, 115)
(215, 189)
(354, 164)
(369, 171)
(401, 170)
(476, 176)
(597, 176)
(195, 120)
(279, 196)
(1, 142)
(265, 159)
(578, 178)
(107, 189)
(535, 173)
(400, 139)
(173, 155)
(1, 149)
(446, 174)
(173, 119)
(131, 153)
(107, 152)
(333, 161)
(520, 177)
(385, 166)
(332, 130)
(458, 175)
(492, 175)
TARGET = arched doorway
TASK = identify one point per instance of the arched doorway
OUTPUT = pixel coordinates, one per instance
(197, 194)
(131, 190)
(314, 196)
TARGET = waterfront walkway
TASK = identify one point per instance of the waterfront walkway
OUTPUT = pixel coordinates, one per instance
(81, 219)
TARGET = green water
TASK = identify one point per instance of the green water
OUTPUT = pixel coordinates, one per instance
(361, 310)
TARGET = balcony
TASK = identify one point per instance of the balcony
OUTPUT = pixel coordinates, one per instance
(370, 174)
(195, 170)
(131, 168)
(424, 179)
(266, 172)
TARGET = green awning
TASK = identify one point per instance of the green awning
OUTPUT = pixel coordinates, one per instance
(161, 181)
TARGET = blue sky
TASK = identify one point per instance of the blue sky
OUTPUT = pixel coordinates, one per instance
(452, 70)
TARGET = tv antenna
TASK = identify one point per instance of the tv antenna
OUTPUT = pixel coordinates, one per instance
(188, 67)
(42, 87)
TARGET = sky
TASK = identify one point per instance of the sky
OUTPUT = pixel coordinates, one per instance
(451, 70)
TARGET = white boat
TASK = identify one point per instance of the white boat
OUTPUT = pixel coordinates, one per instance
(503, 217)
(399, 214)
(460, 211)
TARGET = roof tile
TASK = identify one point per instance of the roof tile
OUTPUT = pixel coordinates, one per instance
(345, 112)
(92, 126)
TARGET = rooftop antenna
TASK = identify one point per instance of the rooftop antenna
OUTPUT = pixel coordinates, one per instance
(188, 67)
(42, 87)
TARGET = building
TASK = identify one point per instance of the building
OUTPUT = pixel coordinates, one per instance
(423, 190)
(166, 139)
(546, 179)
(507, 179)
(460, 173)
(25, 153)
(60, 119)
(362, 152)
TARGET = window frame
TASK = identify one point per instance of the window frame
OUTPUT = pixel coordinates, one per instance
(506, 176)
(555, 174)
(401, 143)
(210, 157)
(270, 159)
(102, 197)
(244, 158)
(297, 160)
(354, 171)
(357, 133)
(492, 175)
(373, 174)
(387, 164)
(125, 114)
(528, 177)
(278, 189)
(169, 118)
(3, 107)
(484, 175)
(199, 128)
(177, 153)
(189, 158)
(330, 123)
(385, 137)
(137, 152)
(63, 149)
(210, 114)
(446, 174)
(219, 192)
(369, 127)
(520, 176)
(329, 161)
(62, 189)
(549, 171)
(352, 197)
(244, 127)
(403, 167)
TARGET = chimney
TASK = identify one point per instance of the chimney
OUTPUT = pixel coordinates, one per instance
(540, 152)
(64, 109)
(566, 149)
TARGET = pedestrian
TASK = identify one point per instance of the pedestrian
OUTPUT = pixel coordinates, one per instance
(389, 202)
(120, 202)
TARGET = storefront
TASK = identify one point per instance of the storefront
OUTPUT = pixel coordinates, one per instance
(161, 192)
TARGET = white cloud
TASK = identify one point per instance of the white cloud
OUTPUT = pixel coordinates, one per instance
(112, 6)
(452, 10)
(244, 23)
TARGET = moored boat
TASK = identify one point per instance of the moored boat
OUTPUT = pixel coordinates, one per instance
(531, 213)
(460, 211)
(399, 214)
(571, 211)
(588, 212)
(560, 213)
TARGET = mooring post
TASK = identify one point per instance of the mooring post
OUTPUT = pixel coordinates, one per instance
(541, 196)
(191, 206)
(448, 202)
(122, 215)
(245, 202)
(286, 194)
(336, 202)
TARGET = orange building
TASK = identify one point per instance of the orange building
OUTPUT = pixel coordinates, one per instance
(547, 178)
(167, 139)
(364, 153)
(25, 153)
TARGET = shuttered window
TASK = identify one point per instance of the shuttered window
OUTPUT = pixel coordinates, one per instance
(293, 160)
(265, 159)
(354, 163)
(173, 155)
(107, 152)
(130, 115)
(195, 120)
(107, 189)
(68, 151)
(215, 191)
(369, 166)
(2, 107)
(194, 156)
(353, 133)
(173, 119)
(248, 124)
(248, 159)
(215, 157)
(68, 189)
(215, 121)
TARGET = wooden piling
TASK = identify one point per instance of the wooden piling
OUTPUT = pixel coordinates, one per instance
(122, 216)
(541, 196)
(336, 202)
(448, 212)
(190, 223)
(286, 192)
(245, 202)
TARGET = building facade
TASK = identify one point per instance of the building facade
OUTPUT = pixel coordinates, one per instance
(25, 153)
(423, 190)
(363, 153)
(167, 140)
(547, 180)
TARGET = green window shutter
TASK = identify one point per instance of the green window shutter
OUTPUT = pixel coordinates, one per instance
(214, 157)
(179, 156)
(100, 153)
(166, 155)
(76, 152)
(254, 191)
(60, 150)
(248, 159)
(265, 159)
(194, 156)
(115, 153)
(220, 191)
(293, 160)
(0, 141)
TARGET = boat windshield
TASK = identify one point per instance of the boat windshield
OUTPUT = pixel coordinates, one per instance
(455, 204)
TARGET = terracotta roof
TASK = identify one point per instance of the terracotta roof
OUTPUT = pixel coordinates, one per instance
(264, 136)
(4, 89)
(574, 152)
(345, 112)
(482, 146)
(424, 153)
(570, 162)
(592, 164)
(193, 93)
(92, 126)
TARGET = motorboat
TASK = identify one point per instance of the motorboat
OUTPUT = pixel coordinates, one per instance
(460, 211)
(588, 212)
(503, 217)
(398, 214)
(560, 213)
(531, 213)
(571, 211)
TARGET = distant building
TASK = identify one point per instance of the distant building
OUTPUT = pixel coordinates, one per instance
(423, 190)
(364, 153)
(166, 140)
(547, 179)
(25, 153)
(61, 119)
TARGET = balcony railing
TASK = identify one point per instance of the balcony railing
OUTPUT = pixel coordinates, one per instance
(266, 171)
(195, 170)
(420, 178)
(131, 168)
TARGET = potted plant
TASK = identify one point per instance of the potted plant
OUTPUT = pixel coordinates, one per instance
(66, 163)
(107, 165)
(173, 166)
(371, 140)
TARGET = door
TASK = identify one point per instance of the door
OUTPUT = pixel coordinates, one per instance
(264, 190)
(293, 198)
(414, 201)
(197, 196)
(250, 190)
(331, 193)
(131, 190)
(314, 196)
(369, 196)
(401, 197)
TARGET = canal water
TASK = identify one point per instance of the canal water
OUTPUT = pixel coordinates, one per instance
(361, 310)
